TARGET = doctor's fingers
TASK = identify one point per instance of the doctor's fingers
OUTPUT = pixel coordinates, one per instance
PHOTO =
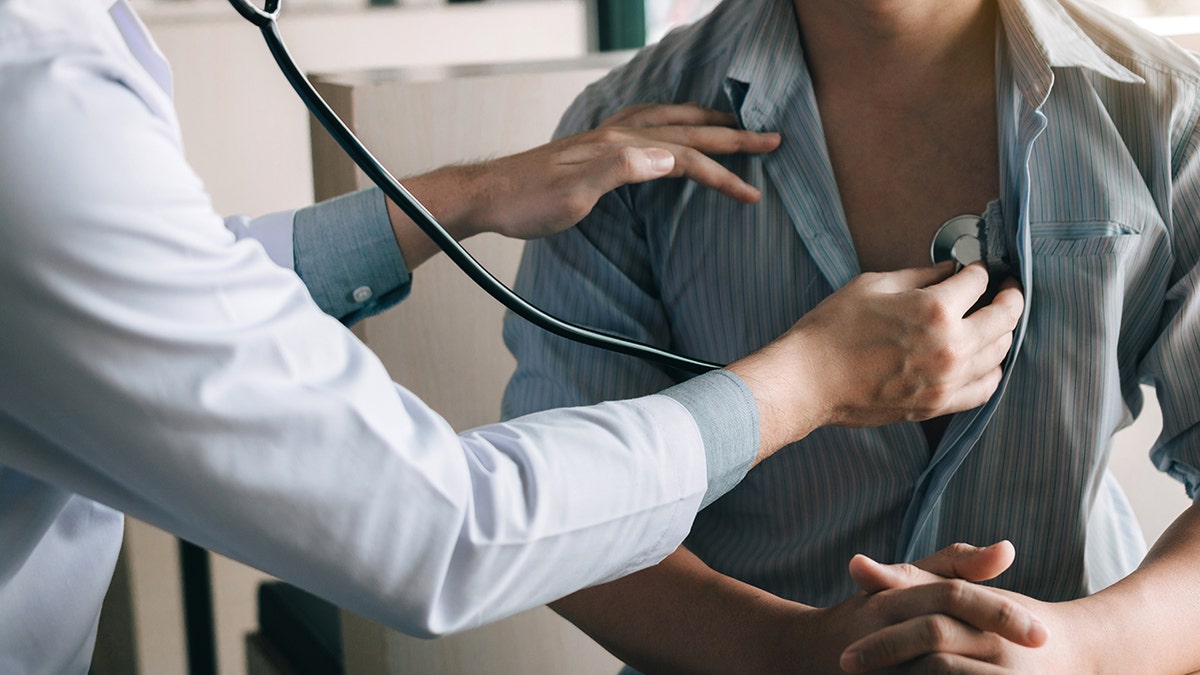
(709, 140)
(999, 317)
(970, 395)
(979, 365)
(911, 279)
(643, 115)
(624, 164)
(959, 293)
(685, 142)
(928, 644)
(980, 607)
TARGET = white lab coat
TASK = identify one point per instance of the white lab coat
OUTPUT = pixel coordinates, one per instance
(151, 363)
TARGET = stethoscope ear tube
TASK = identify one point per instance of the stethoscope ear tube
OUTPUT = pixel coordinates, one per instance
(266, 21)
(256, 16)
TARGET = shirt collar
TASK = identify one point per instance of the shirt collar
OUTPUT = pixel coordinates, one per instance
(1041, 36)
(768, 62)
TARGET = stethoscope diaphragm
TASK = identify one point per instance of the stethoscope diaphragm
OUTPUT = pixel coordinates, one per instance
(958, 240)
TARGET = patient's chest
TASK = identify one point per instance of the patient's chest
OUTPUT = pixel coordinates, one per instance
(732, 277)
(901, 175)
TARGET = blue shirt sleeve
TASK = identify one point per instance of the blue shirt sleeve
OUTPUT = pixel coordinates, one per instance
(346, 254)
(1173, 362)
(727, 416)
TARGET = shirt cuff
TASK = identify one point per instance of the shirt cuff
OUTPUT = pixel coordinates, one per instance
(346, 254)
(727, 415)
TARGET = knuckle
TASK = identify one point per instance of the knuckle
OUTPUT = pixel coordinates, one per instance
(936, 632)
(911, 572)
(948, 357)
(691, 155)
(1007, 615)
(690, 136)
(867, 279)
(628, 160)
(882, 651)
(577, 204)
(1002, 346)
(992, 646)
(955, 593)
(610, 135)
(938, 315)
(939, 664)
(959, 549)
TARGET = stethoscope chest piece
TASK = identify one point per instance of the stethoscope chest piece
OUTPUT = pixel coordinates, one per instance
(958, 240)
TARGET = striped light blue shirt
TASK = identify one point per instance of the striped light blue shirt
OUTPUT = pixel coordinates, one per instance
(1097, 215)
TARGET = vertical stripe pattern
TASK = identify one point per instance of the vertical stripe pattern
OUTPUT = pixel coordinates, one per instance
(1100, 199)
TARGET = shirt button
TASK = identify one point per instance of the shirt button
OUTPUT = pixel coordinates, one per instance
(362, 294)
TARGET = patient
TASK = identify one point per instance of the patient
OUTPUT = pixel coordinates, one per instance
(1073, 134)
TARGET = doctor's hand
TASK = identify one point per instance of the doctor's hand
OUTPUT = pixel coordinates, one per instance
(887, 347)
(552, 187)
(939, 585)
(922, 641)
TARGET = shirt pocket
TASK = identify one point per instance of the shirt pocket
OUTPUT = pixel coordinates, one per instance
(1076, 308)
(1089, 239)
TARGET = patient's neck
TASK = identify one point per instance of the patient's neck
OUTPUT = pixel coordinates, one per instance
(894, 47)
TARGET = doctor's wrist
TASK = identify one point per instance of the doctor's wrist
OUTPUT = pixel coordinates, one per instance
(789, 405)
(453, 196)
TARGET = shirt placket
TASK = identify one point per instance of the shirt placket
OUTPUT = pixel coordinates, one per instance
(1021, 124)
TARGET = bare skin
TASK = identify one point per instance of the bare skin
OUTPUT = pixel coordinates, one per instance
(910, 123)
(912, 140)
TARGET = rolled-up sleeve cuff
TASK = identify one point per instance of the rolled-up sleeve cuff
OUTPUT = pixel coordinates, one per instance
(1179, 457)
(725, 412)
(346, 254)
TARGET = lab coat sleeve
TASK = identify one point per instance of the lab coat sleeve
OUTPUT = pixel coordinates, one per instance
(153, 362)
(343, 249)
(1172, 364)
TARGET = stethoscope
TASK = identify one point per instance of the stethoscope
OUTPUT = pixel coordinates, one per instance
(265, 19)
(958, 240)
(947, 247)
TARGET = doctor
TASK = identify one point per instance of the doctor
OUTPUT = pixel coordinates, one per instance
(158, 361)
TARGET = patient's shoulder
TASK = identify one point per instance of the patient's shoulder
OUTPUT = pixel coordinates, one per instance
(688, 65)
(1132, 45)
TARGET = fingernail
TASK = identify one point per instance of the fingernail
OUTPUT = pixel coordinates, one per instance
(852, 661)
(661, 160)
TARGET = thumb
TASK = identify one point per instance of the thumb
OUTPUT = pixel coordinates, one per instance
(958, 561)
(637, 165)
(873, 577)
(963, 561)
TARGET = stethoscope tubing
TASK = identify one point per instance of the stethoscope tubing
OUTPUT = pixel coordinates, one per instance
(265, 19)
